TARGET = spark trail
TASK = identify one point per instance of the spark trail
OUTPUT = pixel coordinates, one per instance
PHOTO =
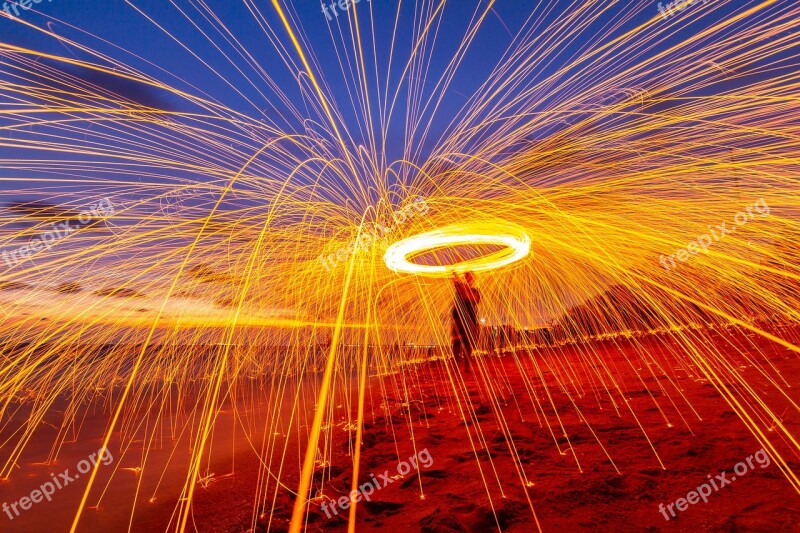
(608, 136)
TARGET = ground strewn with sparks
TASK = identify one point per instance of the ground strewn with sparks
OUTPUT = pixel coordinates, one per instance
(227, 240)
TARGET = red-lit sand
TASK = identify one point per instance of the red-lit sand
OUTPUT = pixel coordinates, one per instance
(564, 498)
(460, 496)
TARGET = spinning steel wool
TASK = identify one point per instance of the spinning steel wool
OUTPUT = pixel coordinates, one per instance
(563, 154)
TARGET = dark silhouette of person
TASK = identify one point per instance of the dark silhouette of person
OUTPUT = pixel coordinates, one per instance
(464, 330)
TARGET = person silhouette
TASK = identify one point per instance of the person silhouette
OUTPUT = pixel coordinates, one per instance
(464, 328)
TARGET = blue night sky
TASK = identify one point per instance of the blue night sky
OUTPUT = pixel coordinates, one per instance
(118, 30)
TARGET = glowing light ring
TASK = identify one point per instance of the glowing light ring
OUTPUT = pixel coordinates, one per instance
(516, 242)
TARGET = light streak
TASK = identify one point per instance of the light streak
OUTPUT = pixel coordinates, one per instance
(516, 245)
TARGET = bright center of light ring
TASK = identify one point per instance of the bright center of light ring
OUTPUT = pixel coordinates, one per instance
(516, 245)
